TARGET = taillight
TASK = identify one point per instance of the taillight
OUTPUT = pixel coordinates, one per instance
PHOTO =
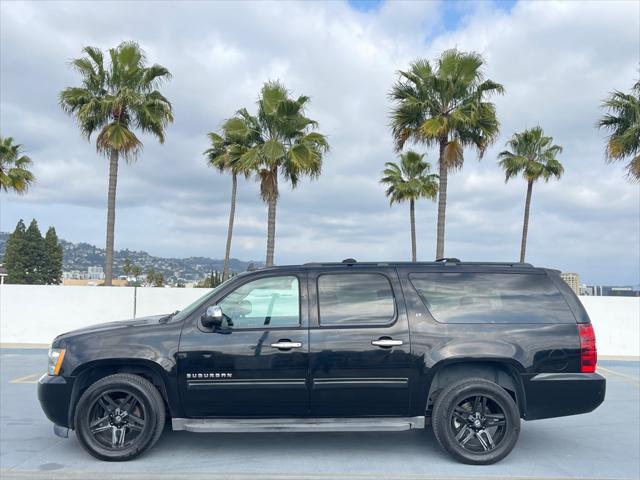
(588, 351)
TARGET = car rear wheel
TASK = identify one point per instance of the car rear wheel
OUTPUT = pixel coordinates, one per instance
(119, 417)
(476, 421)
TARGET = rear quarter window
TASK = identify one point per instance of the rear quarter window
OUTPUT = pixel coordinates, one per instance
(491, 298)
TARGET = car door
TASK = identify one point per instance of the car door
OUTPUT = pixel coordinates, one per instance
(255, 364)
(360, 357)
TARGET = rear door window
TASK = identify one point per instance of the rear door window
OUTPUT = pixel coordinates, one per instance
(491, 298)
(355, 299)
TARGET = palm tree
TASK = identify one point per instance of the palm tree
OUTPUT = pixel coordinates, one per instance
(623, 121)
(282, 142)
(224, 155)
(14, 167)
(534, 155)
(112, 101)
(410, 180)
(446, 105)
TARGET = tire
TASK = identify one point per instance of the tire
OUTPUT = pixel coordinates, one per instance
(478, 439)
(119, 417)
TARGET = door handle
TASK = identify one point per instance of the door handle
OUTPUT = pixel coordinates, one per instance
(387, 343)
(286, 345)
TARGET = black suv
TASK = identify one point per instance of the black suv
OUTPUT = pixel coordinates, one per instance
(470, 348)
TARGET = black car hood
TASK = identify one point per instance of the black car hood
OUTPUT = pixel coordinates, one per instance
(120, 324)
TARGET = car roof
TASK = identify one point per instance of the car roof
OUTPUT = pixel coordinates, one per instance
(439, 265)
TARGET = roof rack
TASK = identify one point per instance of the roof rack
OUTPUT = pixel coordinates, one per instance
(441, 261)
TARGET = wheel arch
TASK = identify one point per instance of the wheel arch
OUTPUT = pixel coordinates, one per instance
(504, 372)
(88, 373)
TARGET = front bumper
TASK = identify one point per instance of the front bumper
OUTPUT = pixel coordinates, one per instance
(54, 394)
(559, 394)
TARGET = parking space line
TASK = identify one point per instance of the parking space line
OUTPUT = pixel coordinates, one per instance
(625, 378)
(33, 378)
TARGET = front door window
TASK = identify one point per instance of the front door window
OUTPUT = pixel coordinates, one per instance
(266, 302)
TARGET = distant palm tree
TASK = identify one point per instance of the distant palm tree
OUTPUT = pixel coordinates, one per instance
(224, 155)
(14, 167)
(623, 121)
(445, 104)
(113, 100)
(410, 180)
(283, 142)
(534, 155)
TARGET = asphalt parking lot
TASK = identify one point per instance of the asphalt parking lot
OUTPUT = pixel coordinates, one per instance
(602, 444)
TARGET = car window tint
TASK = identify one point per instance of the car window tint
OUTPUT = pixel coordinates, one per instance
(355, 299)
(491, 298)
(266, 302)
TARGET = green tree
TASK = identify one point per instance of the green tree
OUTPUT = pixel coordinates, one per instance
(136, 271)
(151, 276)
(127, 267)
(534, 155)
(114, 100)
(158, 279)
(224, 155)
(445, 104)
(623, 123)
(54, 253)
(283, 141)
(14, 257)
(410, 180)
(14, 167)
(34, 255)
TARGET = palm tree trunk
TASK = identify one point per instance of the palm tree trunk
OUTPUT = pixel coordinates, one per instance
(271, 231)
(525, 224)
(232, 214)
(111, 216)
(442, 200)
(271, 222)
(412, 216)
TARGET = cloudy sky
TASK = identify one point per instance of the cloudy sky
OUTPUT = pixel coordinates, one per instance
(557, 62)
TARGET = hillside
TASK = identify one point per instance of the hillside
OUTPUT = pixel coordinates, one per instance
(80, 256)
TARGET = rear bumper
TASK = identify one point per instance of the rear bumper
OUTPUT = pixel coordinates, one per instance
(54, 394)
(550, 395)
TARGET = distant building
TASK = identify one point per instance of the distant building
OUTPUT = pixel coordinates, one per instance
(573, 280)
(95, 273)
(87, 282)
(612, 291)
(92, 273)
(587, 290)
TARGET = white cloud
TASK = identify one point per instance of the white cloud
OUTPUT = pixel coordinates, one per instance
(557, 61)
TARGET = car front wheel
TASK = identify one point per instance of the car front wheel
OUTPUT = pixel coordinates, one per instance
(119, 417)
(476, 421)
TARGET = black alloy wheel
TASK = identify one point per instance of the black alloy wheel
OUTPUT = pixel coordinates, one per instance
(476, 421)
(119, 417)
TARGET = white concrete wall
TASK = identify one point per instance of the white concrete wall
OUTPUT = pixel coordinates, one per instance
(616, 321)
(36, 313)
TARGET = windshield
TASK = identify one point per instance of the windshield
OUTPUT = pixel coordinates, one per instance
(189, 309)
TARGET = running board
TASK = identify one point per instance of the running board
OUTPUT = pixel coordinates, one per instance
(378, 424)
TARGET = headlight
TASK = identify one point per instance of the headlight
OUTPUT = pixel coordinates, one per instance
(56, 355)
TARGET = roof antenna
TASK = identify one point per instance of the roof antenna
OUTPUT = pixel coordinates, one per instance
(349, 261)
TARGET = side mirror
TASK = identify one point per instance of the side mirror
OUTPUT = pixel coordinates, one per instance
(212, 317)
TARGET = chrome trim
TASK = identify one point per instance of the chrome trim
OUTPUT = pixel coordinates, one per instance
(272, 383)
(329, 383)
(222, 425)
(282, 345)
(386, 342)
